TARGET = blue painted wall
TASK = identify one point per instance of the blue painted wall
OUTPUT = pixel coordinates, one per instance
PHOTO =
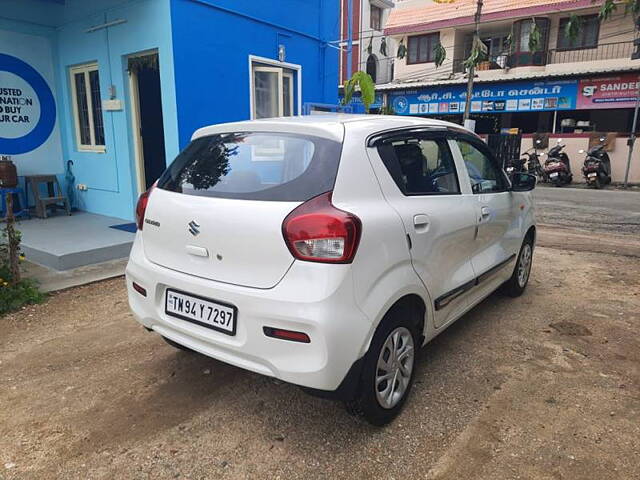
(204, 48)
(212, 41)
(111, 176)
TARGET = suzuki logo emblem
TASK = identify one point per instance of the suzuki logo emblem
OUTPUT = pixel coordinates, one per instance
(194, 228)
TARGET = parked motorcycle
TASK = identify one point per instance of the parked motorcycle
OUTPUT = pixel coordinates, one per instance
(557, 166)
(597, 166)
(532, 159)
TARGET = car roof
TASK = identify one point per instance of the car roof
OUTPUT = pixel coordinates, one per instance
(327, 125)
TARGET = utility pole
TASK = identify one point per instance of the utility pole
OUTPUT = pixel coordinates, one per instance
(632, 137)
(349, 36)
(471, 73)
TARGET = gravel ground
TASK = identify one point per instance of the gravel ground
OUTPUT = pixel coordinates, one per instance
(546, 386)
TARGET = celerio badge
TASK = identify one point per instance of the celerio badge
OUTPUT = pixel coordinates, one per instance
(194, 228)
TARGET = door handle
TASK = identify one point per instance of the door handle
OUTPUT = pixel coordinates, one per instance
(197, 251)
(485, 212)
(421, 222)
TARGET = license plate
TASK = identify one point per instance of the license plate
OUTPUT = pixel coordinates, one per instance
(208, 313)
(554, 175)
(592, 174)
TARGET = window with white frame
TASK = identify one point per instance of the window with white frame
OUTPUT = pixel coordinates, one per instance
(273, 91)
(87, 107)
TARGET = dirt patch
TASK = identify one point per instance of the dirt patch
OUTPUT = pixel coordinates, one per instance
(88, 393)
(570, 328)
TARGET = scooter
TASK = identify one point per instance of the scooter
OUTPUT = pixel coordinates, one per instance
(534, 167)
(557, 166)
(597, 166)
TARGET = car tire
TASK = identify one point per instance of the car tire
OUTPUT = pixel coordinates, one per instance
(515, 286)
(177, 345)
(392, 354)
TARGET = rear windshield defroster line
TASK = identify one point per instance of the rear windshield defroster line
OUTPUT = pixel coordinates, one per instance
(270, 166)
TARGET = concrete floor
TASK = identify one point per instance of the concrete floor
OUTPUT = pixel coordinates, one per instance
(64, 242)
(50, 280)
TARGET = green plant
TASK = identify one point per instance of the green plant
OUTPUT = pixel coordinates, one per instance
(632, 6)
(383, 47)
(402, 50)
(21, 293)
(14, 290)
(535, 37)
(573, 26)
(478, 53)
(440, 54)
(608, 8)
(367, 86)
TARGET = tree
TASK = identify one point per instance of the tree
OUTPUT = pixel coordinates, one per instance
(365, 84)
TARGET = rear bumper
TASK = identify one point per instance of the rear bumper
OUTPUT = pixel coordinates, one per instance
(316, 299)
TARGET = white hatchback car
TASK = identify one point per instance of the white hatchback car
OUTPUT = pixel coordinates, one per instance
(322, 250)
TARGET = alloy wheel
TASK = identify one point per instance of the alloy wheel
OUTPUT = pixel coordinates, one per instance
(524, 265)
(394, 368)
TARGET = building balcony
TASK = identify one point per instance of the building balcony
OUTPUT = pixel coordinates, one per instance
(605, 51)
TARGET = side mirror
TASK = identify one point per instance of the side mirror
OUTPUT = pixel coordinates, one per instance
(581, 150)
(602, 139)
(523, 182)
(538, 141)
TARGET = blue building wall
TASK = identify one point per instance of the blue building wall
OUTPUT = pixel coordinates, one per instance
(212, 41)
(110, 176)
(204, 48)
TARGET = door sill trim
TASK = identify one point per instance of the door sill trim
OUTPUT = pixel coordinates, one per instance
(443, 300)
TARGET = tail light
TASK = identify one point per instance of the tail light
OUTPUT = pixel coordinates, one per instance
(141, 207)
(316, 231)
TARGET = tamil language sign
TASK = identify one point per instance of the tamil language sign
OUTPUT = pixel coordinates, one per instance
(616, 91)
(493, 98)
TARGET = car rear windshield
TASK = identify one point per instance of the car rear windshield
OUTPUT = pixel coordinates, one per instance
(255, 166)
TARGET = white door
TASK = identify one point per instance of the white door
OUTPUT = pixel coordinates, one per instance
(421, 184)
(497, 237)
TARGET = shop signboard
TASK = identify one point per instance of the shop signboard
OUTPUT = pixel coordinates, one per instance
(524, 96)
(616, 91)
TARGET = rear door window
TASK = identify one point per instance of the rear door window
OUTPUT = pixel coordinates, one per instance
(255, 166)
